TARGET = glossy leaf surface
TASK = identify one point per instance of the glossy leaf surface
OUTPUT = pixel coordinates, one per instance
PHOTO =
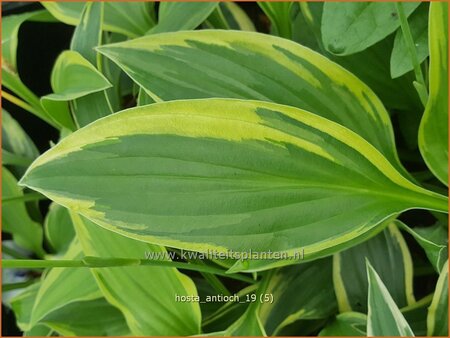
(178, 65)
(233, 168)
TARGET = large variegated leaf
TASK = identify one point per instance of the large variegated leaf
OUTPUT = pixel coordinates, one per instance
(198, 174)
(389, 255)
(433, 133)
(384, 317)
(184, 65)
(351, 27)
(86, 37)
(149, 304)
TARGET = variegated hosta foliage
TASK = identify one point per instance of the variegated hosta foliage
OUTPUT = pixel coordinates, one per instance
(302, 169)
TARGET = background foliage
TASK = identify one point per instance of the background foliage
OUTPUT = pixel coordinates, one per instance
(288, 126)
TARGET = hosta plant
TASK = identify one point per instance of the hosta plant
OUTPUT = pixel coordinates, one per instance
(272, 168)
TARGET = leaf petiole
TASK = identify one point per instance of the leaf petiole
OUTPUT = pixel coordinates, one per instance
(100, 262)
(32, 196)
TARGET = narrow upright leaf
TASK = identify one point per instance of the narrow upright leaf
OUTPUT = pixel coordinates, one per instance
(87, 36)
(400, 59)
(433, 133)
(196, 174)
(437, 320)
(384, 318)
(279, 14)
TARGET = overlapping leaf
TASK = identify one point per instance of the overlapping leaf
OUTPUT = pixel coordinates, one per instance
(400, 58)
(58, 228)
(72, 77)
(235, 17)
(148, 288)
(61, 286)
(279, 14)
(10, 76)
(434, 240)
(384, 317)
(176, 16)
(183, 65)
(128, 18)
(295, 297)
(18, 149)
(346, 324)
(389, 255)
(87, 318)
(15, 219)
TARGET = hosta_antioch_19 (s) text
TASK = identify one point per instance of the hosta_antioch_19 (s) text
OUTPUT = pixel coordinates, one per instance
(224, 168)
